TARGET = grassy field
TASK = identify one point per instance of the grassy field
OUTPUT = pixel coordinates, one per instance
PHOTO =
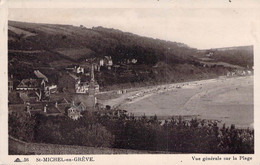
(76, 54)
(20, 31)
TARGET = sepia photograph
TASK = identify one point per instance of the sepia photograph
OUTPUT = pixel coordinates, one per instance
(130, 81)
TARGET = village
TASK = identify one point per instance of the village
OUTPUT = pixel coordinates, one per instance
(38, 95)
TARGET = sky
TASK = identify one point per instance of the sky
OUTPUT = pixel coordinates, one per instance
(200, 28)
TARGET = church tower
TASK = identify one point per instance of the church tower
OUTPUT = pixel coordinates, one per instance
(92, 90)
(92, 74)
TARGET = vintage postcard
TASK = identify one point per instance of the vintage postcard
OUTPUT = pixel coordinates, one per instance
(149, 82)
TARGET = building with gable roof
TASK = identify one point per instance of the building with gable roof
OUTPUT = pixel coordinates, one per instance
(74, 111)
(87, 87)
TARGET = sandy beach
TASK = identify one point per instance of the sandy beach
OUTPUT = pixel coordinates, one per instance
(228, 100)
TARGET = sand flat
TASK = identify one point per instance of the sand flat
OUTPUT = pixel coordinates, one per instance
(229, 100)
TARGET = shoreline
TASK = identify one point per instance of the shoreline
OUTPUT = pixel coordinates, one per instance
(194, 98)
(144, 92)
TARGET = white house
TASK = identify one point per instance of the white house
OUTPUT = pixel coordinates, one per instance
(81, 87)
(79, 69)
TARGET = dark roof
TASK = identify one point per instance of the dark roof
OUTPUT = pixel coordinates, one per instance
(79, 107)
(62, 101)
(62, 107)
(52, 109)
(32, 94)
(30, 83)
(37, 106)
(36, 112)
(82, 106)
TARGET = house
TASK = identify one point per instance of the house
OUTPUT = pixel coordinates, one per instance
(74, 111)
(34, 96)
(209, 54)
(228, 73)
(37, 82)
(31, 84)
(34, 108)
(249, 72)
(67, 82)
(51, 88)
(82, 107)
(101, 62)
(90, 100)
(132, 61)
(96, 67)
(46, 108)
(62, 105)
(79, 69)
(52, 109)
(106, 61)
(30, 96)
(240, 72)
(119, 92)
(81, 87)
(56, 108)
(76, 69)
(86, 87)
(32, 89)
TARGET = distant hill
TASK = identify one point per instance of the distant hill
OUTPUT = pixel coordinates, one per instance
(101, 41)
(240, 55)
(35, 45)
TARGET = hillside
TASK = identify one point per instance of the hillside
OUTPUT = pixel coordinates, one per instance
(51, 48)
(242, 55)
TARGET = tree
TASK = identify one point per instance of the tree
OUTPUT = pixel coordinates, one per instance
(21, 126)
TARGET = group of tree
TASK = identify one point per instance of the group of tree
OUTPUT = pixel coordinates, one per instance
(59, 130)
(129, 132)
(177, 135)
